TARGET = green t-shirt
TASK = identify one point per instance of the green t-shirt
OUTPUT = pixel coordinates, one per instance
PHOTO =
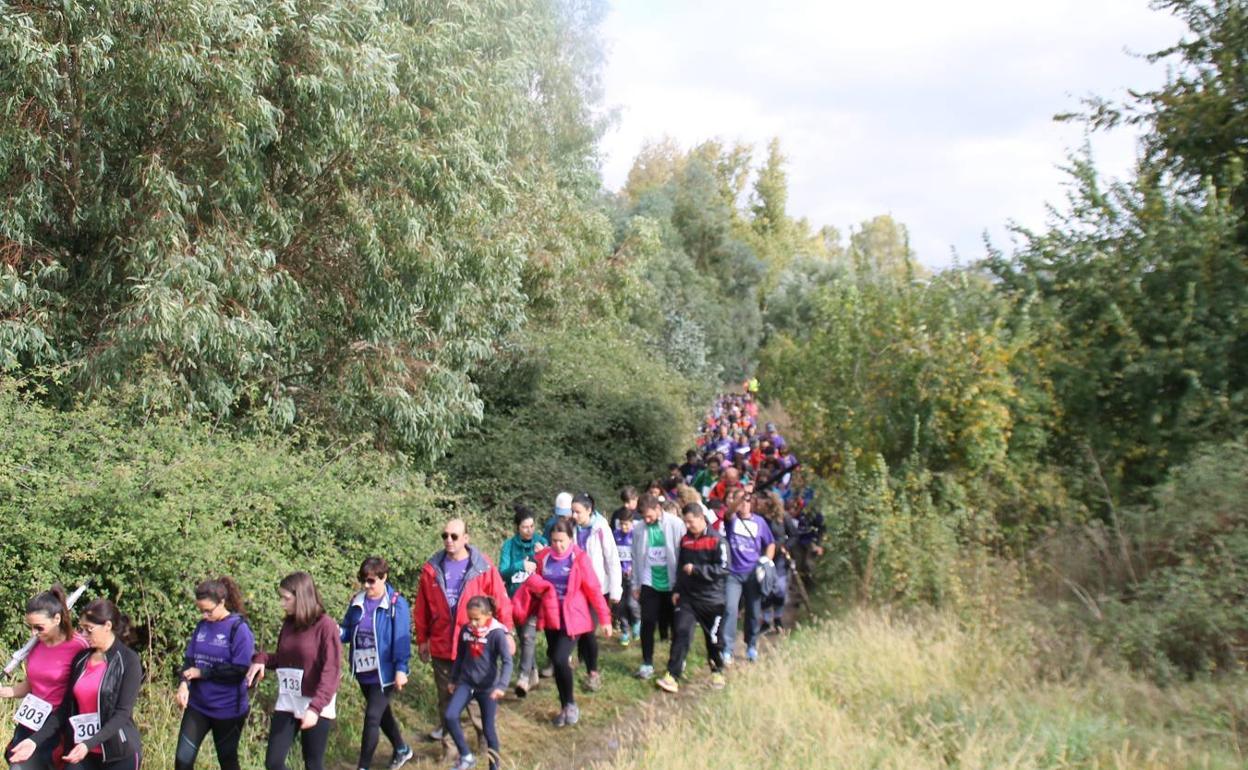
(656, 555)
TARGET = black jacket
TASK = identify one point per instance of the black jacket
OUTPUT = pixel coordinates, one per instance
(118, 737)
(708, 554)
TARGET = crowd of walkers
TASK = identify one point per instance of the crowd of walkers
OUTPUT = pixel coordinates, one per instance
(724, 535)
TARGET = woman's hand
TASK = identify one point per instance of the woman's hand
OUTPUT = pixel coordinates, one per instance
(255, 673)
(400, 680)
(310, 718)
(6, 692)
(184, 695)
(450, 688)
(497, 695)
(22, 752)
(76, 754)
(606, 630)
(192, 673)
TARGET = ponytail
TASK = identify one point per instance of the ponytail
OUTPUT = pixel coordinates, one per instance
(53, 602)
(222, 590)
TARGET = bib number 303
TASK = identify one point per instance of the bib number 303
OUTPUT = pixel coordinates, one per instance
(84, 726)
(32, 712)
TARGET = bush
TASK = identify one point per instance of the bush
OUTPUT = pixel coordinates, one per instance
(145, 512)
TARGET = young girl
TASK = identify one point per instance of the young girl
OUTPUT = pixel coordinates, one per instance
(308, 663)
(47, 675)
(481, 671)
(212, 693)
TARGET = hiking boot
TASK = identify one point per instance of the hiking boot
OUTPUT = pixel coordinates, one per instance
(400, 758)
(667, 682)
(764, 627)
(751, 654)
(595, 681)
(645, 672)
(718, 681)
(574, 714)
(522, 686)
(466, 762)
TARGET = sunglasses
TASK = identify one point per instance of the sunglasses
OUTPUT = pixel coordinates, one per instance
(452, 536)
(371, 581)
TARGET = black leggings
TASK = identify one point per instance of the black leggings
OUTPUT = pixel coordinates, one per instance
(282, 729)
(41, 759)
(225, 736)
(657, 611)
(96, 762)
(559, 646)
(378, 718)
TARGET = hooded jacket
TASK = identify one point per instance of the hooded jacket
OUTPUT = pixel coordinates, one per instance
(117, 737)
(536, 596)
(583, 592)
(432, 621)
(604, 556)
(392, 630)
(673, 531)
(706, 585)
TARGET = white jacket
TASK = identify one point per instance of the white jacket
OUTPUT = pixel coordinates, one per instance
(605, 557)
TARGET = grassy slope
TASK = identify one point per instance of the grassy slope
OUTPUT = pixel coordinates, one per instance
(866, 691)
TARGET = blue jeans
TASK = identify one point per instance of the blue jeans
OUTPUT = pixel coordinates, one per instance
(748, 585)
(489, 710)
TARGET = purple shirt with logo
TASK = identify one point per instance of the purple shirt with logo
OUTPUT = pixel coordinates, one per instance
(624, 544)
(366, 638)
(747, 539)
(557, 570)
(454, 572)
(210, 646)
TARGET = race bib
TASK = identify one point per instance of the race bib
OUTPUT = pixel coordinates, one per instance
(365, 659)
(520, 577)
(658, 556)
(32, 712)
(290, 696)
(84, 726)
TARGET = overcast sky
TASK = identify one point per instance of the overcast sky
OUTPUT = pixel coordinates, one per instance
(937, 113)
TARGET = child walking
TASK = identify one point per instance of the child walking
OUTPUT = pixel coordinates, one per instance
(481, 671)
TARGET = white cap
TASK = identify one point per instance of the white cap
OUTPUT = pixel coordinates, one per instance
(563, 504)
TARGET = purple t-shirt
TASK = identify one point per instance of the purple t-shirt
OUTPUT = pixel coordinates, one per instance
(747, 539)
(366, 638)
(454, 572)
(209, 647)
(624, 544)
(557, 570)
(582, 535)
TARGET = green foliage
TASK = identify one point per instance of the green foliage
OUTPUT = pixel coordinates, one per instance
(146, 512)
(583, 408)
(323, 212)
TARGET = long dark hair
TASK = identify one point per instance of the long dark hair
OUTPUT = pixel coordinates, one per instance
(308, 605)
(223, 590)
(566, 526)
(103, 611)
(53, 602)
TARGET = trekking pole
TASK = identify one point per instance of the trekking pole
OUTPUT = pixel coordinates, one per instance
(20, 656)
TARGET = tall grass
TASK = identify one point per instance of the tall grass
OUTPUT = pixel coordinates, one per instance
(868, 690)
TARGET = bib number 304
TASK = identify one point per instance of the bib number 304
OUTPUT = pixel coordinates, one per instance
(32, 712)
(84, 726)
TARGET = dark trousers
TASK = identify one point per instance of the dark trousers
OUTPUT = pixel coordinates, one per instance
(559, 646)
(42, 758)
(489, 713)
(441, 682)
(225, 736)
(689, 614)
(656, 612)
(378, 719)
(283, 727)
(628, 610)
(96, 762)
(587, 644)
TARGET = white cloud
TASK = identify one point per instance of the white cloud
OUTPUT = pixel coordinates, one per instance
(938, 113)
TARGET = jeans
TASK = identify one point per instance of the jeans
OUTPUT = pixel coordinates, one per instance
(442, 681)
(378, 719)
(283, 727)
(464, 693)
(738, 586)
(528, 649)
(225, 736)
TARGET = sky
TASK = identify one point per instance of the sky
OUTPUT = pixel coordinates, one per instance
(939, 114)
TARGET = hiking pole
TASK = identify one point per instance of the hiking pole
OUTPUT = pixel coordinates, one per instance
(21, 655)
(776, 477)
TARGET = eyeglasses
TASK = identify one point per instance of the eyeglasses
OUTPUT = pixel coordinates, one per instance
(210, 610)
(86, 630)
(452, 536)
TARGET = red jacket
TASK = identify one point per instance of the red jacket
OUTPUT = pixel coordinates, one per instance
(536, 596)
(583, 592)
(431, 615)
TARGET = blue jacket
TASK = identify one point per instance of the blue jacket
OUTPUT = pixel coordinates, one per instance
(392, 626)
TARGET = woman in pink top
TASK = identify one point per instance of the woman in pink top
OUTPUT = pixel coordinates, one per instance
(47, 675)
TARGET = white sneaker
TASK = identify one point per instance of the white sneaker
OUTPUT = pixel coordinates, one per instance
(645, 672)
(437, 734)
